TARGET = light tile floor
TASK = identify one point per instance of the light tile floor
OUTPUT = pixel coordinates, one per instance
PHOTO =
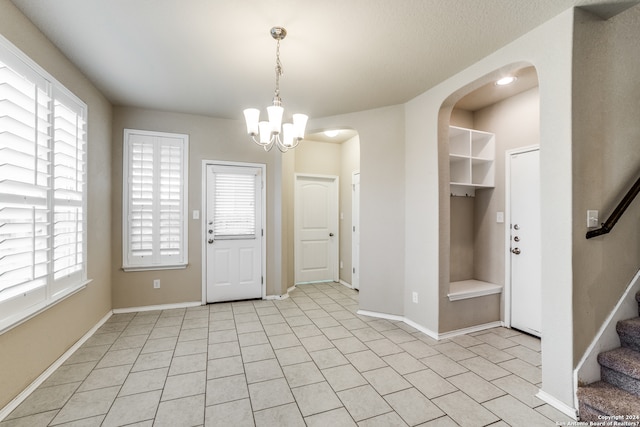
(306, 360)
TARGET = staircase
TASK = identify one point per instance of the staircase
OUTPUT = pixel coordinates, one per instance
(618, 393)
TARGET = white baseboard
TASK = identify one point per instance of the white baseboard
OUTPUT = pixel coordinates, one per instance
(560, 406)
(427, 331)
(280, 297)
(380, 315)
(470, 330)
(4, 412)
(157, 307)
(348, 285)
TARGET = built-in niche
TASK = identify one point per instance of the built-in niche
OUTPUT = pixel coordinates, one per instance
(482, 126)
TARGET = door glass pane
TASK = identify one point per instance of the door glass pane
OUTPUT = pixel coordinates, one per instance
(235, 205)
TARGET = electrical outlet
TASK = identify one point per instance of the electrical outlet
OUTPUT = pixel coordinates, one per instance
(415, 297)
(156, 284)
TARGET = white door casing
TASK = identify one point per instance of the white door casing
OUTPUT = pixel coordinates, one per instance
(523, 211)
(355, 231)
(233, 256)
(316, 228)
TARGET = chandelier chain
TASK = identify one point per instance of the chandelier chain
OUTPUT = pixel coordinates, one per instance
(278, 71)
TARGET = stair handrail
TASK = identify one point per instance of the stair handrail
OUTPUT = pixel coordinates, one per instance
(608, 225)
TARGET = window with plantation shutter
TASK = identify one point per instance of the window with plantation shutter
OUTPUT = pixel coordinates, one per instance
(42, 188)
(155, 197)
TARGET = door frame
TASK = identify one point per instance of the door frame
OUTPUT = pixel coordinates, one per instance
(507, 231)
(203, 219)
(355, 218)
(336, 261)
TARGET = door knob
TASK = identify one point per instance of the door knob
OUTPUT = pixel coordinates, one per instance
(210, 241)
(517, 239)
(516, 251)
(516, 227)
(330, 234)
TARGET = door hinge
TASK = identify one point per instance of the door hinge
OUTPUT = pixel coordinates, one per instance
(353, 186)
(262, 280)
(262, 232)
(354, 228)
(354, 270)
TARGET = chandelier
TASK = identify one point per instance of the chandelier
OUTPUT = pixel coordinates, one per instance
(267, 134)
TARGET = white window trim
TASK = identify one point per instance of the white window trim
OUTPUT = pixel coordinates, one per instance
(20, 316)
(183, 262)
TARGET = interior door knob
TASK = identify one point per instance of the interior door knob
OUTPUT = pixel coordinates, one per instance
(210, 241)
(330, 234)
(516, 251)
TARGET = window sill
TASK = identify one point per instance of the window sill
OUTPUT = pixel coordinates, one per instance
(466, 289)
(154, 267)
(35, 310)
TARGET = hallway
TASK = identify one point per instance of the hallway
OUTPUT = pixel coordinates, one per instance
(306, 360)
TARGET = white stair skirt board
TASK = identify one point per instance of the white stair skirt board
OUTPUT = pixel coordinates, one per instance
(588, 369)
(427, 331)
(560, 406)
(472, 289)
(157, 307)
(4, 412)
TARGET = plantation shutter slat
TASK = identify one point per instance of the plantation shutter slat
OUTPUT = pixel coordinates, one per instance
(24, 182)
(235, 205)
(155, 199)
(68, 189)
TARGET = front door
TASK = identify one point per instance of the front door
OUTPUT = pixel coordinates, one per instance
(526, 299)
(233, 232)
(316, 228)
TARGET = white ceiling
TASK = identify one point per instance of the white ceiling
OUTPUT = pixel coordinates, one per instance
(216, 57)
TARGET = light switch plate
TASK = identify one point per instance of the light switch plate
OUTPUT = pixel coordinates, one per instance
(592, 218)
(500, 217)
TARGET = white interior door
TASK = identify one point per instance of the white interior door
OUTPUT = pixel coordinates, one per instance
(526, 301)
(234, 232)
(355, 239)
(316, 228)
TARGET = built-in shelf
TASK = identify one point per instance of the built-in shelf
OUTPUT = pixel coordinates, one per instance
(471, 160)
(465, 289)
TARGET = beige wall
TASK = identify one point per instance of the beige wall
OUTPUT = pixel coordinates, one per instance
(318, 158)
(606, 159)
(28, 349)
(427, 250)
(382, 200)
(209, 139)
(462, 239)
(516, 123)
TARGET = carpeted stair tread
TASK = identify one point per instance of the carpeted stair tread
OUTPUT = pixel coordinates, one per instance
(608, 399)
(629, 332)
(623, 360)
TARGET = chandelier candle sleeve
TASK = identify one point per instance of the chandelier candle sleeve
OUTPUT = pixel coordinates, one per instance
(274, 132)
